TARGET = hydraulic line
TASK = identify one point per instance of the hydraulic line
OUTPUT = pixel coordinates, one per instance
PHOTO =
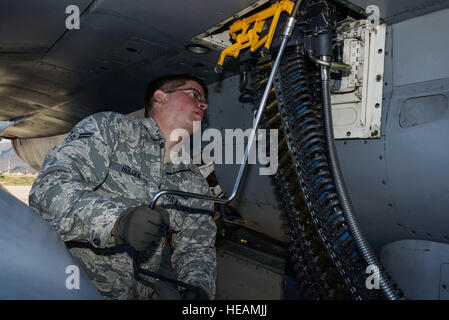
(316, 277)
(351, 220)
(298, 92)
(285, 37)
(327, 251)
(286, 34)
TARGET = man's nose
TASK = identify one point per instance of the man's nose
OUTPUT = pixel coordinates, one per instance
(203, 105)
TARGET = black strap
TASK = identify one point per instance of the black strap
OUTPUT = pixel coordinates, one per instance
(79, 244)
(98, 251)
(138, 271)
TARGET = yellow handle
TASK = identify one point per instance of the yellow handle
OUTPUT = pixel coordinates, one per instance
(247, 37)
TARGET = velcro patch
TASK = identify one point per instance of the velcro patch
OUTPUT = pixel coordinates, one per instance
(81, 135)
(128, 170)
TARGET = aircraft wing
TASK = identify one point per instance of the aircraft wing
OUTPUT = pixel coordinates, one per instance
(56, 76)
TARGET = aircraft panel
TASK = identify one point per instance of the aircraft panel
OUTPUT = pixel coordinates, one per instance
(35, 264)
(417, 162)
(421, 45)
(24, 18)
(395, 11)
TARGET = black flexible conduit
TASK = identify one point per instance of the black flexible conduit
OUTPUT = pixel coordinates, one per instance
(303, 129)
(285, 37)
(303, 101)
(345, 202)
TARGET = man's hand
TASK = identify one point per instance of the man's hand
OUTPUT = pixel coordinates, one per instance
(139, 226)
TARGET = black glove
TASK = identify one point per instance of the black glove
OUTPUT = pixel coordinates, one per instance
(139, 226)
(191, 294)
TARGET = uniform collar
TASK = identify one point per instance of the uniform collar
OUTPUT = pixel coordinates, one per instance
(184, 164)
(156, 134)
(153, 128)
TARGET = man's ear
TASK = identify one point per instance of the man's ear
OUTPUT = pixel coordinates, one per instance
(160, 96)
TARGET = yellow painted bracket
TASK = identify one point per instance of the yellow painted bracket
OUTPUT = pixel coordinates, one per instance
(246, 32)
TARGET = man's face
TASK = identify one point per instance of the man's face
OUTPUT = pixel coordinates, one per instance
(185, 104)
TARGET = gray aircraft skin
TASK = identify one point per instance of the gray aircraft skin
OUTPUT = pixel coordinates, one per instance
(35, 263)
(52, 76)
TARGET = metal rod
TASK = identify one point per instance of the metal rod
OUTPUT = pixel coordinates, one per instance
(332, 65)
(187, 194)
(285, 37)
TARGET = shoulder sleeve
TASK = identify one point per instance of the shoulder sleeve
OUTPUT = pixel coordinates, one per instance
(64, 191)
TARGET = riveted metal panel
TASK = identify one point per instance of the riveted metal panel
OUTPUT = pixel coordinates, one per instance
(422, 56)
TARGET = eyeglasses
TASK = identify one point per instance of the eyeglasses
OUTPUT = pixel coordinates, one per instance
(194, 93)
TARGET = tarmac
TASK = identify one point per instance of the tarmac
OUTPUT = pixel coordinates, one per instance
(20, 192)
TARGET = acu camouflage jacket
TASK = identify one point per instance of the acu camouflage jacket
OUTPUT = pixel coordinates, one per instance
(110, 162)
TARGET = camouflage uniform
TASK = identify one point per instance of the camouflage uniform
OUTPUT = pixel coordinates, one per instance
(110, 162)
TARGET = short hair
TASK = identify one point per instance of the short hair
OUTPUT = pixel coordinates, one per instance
(168, 82)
